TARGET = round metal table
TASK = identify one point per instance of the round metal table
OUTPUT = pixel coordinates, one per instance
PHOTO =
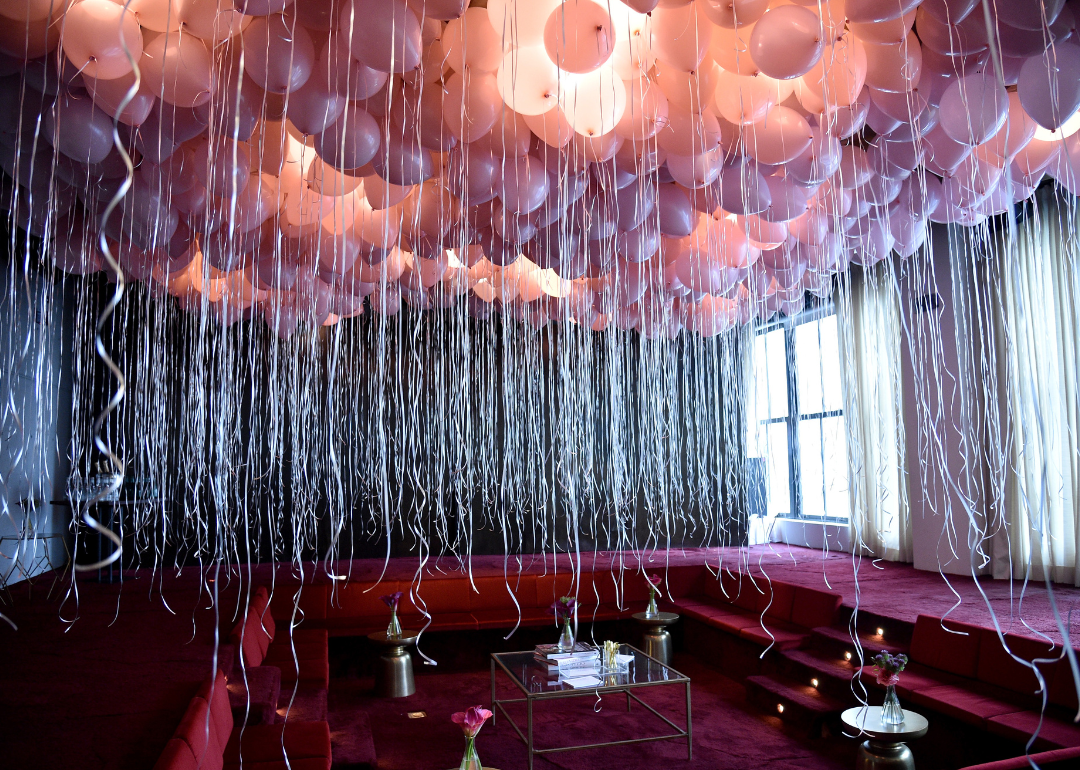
(657, 640)
(393, 671)
(884, 748)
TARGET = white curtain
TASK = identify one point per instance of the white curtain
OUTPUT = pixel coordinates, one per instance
(868, 313)
(1042, 321)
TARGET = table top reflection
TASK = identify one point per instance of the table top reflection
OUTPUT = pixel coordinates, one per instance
(534, 680)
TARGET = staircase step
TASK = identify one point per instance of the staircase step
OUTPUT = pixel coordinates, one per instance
(838, 641)
(309, 705)
(794, 702)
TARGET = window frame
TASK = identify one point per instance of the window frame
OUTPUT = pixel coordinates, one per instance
(794, 417)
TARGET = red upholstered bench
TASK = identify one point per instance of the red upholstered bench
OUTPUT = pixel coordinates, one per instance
(1057, 759)
(303, 660)
(777, 614)
(963, 671)
(207, 739)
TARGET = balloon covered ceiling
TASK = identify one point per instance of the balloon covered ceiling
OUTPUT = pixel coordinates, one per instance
(658, 163)
(249, 176)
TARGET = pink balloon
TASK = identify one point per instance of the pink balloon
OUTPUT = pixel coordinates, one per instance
(1026, 15)
(733, 13)
(676, 213)
(1018, 130)
(949, 11)
(695, 171)
(110, 94)
(222, 165)
(894, 67)
(864, 11)
(847, 121)
(472, 107)
(472, 174)
(345, 74)
(854, 170)
(946, 152)
(781, 136)
(384, 34)
(963, 38)
(579, 36)
(680, 36)
(314, 106)
(787, 42)
(278, 53)
(1049, 85)
(351, 141)
(638, 244)
(789, 200)
(817, 162)
(634, 203)
(177, 68)
(78, 129)
(744, 190)
(402, 161)
(100, 36)
(841, 71)
(524, 185)
(974, 108)
(689, 133)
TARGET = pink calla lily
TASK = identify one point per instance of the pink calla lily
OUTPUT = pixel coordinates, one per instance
(471, 720)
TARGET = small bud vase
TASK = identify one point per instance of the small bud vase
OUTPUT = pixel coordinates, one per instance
(566, 641)
(891, 713)
(651, 611)
(470, 761)
(393, 631)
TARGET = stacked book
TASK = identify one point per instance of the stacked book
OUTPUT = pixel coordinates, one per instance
(581, 662)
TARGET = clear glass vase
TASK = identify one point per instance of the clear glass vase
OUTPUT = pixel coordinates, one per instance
(891, 713)
(566, 640)
(651, 611)
(470, 761)
(393, 631)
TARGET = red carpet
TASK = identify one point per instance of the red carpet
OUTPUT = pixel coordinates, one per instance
(728, 733)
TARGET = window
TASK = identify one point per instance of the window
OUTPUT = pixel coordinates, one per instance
(798, 426)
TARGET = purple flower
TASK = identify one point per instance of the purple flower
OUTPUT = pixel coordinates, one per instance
(472, 720)
(563, 608)
(889, 667)
(655, 580)
(392, 600)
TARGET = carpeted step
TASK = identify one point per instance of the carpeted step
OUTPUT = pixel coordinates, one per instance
(351, 742)
(795, 703)
(836, 641)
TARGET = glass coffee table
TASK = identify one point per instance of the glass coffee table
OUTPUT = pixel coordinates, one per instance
(535, 684)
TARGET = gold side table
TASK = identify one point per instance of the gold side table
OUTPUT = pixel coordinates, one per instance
(393, 671)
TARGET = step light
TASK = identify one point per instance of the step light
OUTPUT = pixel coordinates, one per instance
(813, 682)
(780, 708)
(847, 656)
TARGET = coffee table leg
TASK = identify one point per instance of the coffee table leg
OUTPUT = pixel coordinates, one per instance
(628, 700)
(689, 727)
(493, 709)
(529, 719)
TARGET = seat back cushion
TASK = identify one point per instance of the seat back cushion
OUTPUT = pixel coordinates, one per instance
(686, 580)
(442, 595)
(264, 623)
(783, 598)
(813, 608)
(494, 593)
(313, 598)
(956, 653)
(998, 667)
(260, 600)
(255, 642)
(724, 588)
(1061, 685)
(552, 586)
(176, 756)
(361, 600)
(198, 730)
(215, 692)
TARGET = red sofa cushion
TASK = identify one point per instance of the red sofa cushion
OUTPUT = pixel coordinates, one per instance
(284, 651)
(199, 732)
(176, 756)
(963, 703)
(783, 599)
(725, 617)
(443, 595)
(913, 678)
(508, 618)
(307, 672)
(552, 586)
(263, 743)
(313, 599)
(440, 621)
(497, 593)
(260, 600)
(215, 691)
(956, 653)
(812, 607)
(1055, 759)
(1061, 685)
(998, 667)
(784, 636)
(360, 600)
(1020, 726)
